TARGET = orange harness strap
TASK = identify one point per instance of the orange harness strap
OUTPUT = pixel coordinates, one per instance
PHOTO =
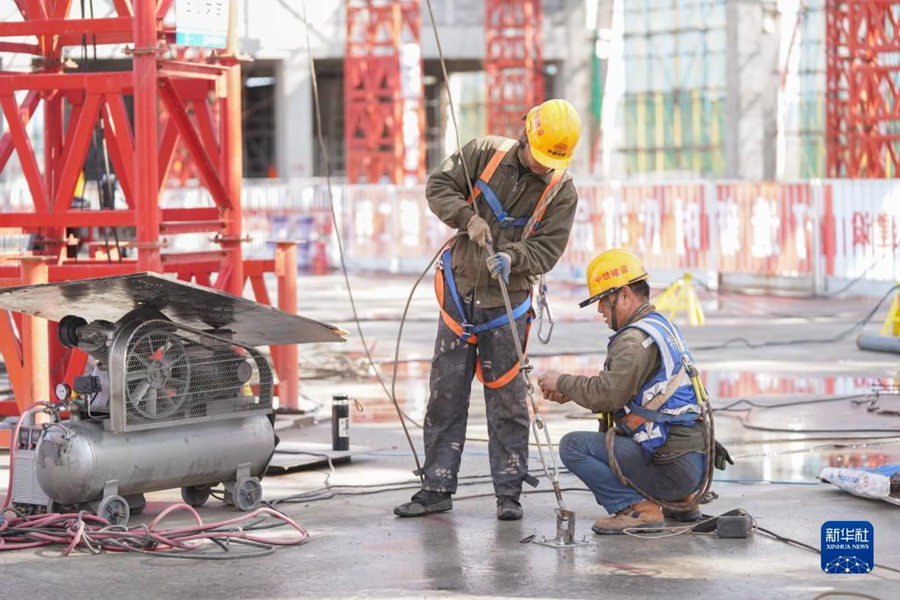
(509, 375)
(544, 201)
(492, 165)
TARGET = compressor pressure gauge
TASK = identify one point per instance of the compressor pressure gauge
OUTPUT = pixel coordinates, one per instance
(63, 391)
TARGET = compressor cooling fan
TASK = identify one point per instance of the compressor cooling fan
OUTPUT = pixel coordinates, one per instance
(157, 374)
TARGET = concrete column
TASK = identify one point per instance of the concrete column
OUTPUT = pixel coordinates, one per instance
(294, 114)
(751, 104)
(566, 31)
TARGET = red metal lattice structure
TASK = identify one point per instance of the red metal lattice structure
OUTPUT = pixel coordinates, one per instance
(200, 104)
(862, 128)
(513, 63)
(384, 110)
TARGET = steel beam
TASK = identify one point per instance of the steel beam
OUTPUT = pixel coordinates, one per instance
(375, 108)
(513, 63)
(140, 156)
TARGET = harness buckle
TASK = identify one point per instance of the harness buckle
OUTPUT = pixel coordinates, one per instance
(508, 222)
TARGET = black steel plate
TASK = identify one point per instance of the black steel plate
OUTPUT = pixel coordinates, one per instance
(110, 298)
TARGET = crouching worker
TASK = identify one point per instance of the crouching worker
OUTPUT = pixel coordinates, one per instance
(645, 392)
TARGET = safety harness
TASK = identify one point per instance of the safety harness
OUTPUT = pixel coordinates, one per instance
(670, 397)
(466, 331)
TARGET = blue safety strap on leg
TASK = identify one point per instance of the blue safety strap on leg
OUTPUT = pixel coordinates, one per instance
(447, 264)
(502, 217)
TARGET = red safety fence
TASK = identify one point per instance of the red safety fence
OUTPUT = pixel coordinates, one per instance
(862, 229)
(667, 224)
(825, 232)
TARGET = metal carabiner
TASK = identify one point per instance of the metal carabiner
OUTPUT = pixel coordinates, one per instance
(543, 307)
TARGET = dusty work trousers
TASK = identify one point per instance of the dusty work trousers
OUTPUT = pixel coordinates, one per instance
(452, 371)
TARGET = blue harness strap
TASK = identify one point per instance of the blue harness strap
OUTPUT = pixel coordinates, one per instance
(468, 328)
(447, 264)
(502, 216)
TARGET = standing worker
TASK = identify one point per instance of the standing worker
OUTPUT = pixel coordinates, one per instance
(646, 391)
(517, 227)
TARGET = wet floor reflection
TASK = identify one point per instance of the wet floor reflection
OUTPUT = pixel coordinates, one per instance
(412, 385)
(779, 435)
(802, 465)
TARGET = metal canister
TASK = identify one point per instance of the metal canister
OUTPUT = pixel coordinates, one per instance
(340, 422)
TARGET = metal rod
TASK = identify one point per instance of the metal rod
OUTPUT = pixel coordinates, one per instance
(525, 368)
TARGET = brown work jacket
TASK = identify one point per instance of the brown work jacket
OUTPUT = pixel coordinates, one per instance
(446, 191)
(632, 359)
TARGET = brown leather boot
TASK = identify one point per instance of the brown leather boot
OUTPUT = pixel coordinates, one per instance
(644, 514)
(690, 515)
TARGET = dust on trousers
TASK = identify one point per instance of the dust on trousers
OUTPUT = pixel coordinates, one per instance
(452, 371)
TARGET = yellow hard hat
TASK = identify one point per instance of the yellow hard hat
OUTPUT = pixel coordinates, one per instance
(552, 129)
(612, 270)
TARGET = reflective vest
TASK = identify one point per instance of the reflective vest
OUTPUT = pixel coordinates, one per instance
(465, 330)
(667, 398)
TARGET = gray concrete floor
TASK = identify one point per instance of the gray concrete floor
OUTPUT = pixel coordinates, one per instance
(359, 549)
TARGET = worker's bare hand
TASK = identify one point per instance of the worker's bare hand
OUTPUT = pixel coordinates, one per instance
(547, 380)
(479, 231)
(557, 397)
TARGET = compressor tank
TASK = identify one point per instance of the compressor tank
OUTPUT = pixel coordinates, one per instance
(76, 459)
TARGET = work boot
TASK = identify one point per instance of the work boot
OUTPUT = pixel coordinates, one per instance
(691, 515)
(644, 514)
(508, 508)
(425, 502)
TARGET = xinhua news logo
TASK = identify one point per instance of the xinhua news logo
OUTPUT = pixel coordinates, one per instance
(848, 547)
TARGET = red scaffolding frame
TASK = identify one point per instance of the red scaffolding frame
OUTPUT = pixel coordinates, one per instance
(176, 101)
(513, 63)
(384, 98)
(862, 128)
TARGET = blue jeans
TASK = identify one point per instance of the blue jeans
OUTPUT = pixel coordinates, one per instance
(584, 453)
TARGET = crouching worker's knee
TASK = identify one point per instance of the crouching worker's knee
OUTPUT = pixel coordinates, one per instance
(569, 450)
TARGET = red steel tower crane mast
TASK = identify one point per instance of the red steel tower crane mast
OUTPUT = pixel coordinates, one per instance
(384, 110)
(862, 104)
(513, 62)
(202, 111)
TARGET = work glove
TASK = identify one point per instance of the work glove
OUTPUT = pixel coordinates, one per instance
(721, 457)
(499, 264)
(479, 231)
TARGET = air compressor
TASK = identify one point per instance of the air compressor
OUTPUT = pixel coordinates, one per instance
(164, 403)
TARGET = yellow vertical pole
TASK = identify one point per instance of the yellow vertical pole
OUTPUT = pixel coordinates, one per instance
(660, 131)
(641, 133)
(695, 113)
(891, 325)
(676, 131)
(714, 136)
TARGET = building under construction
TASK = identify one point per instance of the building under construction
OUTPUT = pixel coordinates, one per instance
(216, 341)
